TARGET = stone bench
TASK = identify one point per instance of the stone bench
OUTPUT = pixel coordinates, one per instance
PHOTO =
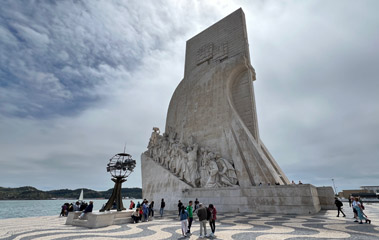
(99, 219)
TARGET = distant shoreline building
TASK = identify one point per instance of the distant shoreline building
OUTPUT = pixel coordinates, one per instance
(365, 191)
(374, 189)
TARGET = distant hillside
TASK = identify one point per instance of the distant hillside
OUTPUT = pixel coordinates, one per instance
(31, 193)
(22, 193)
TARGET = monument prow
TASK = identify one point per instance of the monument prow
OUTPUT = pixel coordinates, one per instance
(211, 142)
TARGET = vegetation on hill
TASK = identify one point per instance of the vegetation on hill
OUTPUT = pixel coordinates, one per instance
(31, 193)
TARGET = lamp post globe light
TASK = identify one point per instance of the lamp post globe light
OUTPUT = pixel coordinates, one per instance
(120, 166)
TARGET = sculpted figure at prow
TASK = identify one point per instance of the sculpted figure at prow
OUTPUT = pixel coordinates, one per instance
(198, 167)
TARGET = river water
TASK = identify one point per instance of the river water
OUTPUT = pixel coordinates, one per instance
(34, 208)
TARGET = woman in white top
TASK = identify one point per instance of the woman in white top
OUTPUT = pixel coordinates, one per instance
(353, 204)
(358, 206)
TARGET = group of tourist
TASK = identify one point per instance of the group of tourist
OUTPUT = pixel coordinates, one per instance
(357, 204)
(76, 207)
(145, 210)
(277, 183)
(72, 207)
(293, 182)
(205, 214)
(358, 207)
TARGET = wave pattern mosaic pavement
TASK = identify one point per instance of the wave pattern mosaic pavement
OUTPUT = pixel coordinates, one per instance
(324, 225)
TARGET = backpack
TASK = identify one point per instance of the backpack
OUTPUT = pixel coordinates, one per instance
(209, 214)
(134, 205)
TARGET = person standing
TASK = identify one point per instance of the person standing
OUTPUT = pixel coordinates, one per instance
(196, 204)
(140, 213)
(145, 209)
(190, 216)
(183, 220)
(212, 220)
(339, 205)
(350, 201)
(131, 206)
(151, 209)
(163, 205)
(180, 204)
(202, 214)
(64, 209)
(354, 204)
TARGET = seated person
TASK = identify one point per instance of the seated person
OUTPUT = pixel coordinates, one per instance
(77, 206)
(87, 210)
(136, 215)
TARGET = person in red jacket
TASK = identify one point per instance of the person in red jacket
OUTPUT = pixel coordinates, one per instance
(212, 219)
(131, 206)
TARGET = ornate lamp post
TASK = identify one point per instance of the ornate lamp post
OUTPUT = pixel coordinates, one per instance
(120, 166)
(335, 189)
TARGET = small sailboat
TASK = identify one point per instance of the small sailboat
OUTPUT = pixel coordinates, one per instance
(81, 196)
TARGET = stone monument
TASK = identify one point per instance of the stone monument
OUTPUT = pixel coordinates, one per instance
(211, 148)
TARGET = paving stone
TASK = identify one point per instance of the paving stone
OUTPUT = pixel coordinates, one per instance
(324, 225)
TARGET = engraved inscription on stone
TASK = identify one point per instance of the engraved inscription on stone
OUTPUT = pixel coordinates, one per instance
(216, 52)
(221, 51)
(204, 53)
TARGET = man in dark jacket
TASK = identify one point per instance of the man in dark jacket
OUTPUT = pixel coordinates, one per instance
(202, 214)
(163, 205)
(339, 205)
(180, 204)
(88, 209)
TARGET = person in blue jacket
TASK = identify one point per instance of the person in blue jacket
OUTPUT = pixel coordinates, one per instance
(184, 220)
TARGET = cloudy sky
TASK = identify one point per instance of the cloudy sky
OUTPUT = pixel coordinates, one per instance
(79, 79)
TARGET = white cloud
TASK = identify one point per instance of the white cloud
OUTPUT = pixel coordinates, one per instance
(78, 80)
(29, 35)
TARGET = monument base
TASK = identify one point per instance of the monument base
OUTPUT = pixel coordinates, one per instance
(99, 219)
(158, 183)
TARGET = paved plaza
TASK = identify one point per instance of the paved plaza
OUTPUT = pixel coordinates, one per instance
(324, 225)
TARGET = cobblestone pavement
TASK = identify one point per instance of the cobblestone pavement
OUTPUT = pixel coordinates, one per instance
(324, 225)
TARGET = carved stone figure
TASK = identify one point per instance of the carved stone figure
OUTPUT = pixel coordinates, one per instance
(153, 140)
(226, 172)
(181, 161)
(192, 164)
(154, 137)
(213, 171)
(203, 166)
(174, 155)
(171, 135)
(165, 152)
